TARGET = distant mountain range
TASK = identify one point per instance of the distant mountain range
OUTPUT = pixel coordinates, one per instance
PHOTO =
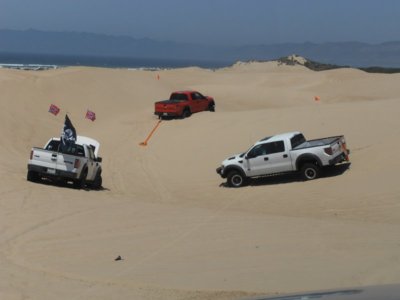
(354, 54)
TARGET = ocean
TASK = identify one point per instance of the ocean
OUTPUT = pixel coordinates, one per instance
(53, 60)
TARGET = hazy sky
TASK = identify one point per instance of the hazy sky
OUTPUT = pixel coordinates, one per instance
(223, 22)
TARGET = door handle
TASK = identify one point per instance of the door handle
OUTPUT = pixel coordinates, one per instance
(266, 158)
(285, 155)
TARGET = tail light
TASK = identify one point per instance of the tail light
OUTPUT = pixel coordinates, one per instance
(31, 156)
(77, 163)
(346, 153)
(328, 150)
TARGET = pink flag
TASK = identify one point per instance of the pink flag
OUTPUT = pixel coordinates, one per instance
(54, 109)
(90, 115)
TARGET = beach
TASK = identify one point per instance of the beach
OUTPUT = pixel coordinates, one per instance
(181, 233)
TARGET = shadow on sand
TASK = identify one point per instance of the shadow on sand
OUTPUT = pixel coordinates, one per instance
(326, 172)
(64, 184)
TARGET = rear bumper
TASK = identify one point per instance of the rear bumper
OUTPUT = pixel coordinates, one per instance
(54, 173)
(344, 156)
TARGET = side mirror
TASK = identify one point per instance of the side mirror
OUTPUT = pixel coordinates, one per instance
(99, 159)
(248, 156)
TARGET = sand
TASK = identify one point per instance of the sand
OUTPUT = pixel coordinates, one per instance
(180, 232)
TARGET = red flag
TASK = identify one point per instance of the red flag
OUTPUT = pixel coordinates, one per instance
(90, 115)
(54, 109)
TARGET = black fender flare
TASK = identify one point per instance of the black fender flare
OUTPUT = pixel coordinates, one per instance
(307, 158)
(229, 169)
(84, 168)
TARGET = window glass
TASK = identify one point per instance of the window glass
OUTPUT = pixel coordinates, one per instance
(75, 150)
(257, 151)
(53, 145)
(297, 140)
(178, 96)
(197, 96)
(274, 147)
(267, 148)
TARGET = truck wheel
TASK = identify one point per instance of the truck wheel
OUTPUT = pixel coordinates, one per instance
(32, 176)
(97, 182)
(236, 179)
(80, 183)
(186, 113)
(310, 171)
(211, 107)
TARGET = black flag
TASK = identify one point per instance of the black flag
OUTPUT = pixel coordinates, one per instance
(68, 135)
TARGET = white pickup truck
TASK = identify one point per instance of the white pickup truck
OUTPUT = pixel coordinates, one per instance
(80, 164)
(283, 153)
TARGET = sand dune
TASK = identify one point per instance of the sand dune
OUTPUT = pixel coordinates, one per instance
(164, 210)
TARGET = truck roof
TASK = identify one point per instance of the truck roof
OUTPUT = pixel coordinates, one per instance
(278, 137)
(183, 92)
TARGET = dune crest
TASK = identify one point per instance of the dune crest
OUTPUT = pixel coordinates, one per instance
(165, 211)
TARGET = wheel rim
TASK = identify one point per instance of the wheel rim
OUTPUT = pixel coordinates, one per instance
(237, 180)
(310, 173)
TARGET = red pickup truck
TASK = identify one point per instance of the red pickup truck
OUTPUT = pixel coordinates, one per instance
(183, 104)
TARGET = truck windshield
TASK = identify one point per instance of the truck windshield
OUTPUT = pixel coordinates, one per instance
(297, 140)
(178, 96)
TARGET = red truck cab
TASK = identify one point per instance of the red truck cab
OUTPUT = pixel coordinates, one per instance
(183, 104)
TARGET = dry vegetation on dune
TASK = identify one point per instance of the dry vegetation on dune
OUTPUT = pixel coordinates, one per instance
(164, 210)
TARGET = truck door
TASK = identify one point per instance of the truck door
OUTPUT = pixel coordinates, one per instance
(268, 158)
(203, 102)
(198, 101)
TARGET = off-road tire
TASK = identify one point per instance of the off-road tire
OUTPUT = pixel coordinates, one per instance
(32, 176)
(310, 171)
(186, 113)
(97, 182)
(236, 179)
(211, 107)
(81, 181)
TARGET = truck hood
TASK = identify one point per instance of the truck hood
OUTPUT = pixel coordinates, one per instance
(235, 157)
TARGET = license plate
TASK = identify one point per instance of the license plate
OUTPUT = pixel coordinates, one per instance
(51, 171)
(165, 114)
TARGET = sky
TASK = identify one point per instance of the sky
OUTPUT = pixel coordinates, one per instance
(214, 22)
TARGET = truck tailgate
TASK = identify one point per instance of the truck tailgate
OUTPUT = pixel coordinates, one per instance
(338, 146)
(47, 159)
(166, 106)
